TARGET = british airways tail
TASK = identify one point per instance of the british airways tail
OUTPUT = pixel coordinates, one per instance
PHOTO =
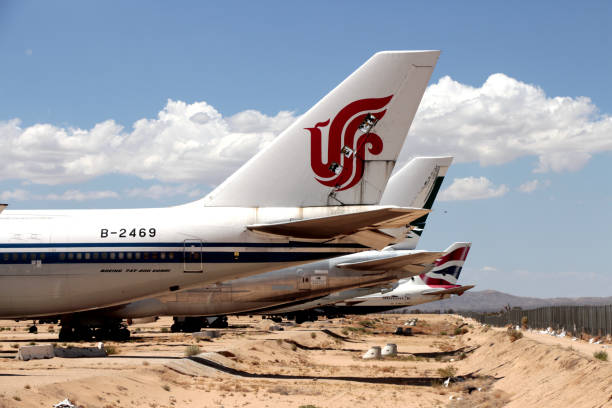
(416, 185)
(447, 269)
(342, 151)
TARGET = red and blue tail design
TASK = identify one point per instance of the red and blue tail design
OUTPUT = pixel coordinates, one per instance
(447, 269)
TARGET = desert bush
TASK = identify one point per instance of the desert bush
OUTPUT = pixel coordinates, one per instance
(524, 322)
(370, 324)
(111, 349)
(164, 330)
(166, 387)
(345, 332)
(601, 355)
(448, 371)
(51, 329)
(313, 335)
(192, 350)
(514, 334)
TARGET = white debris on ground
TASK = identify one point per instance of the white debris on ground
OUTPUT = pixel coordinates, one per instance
(64, 404)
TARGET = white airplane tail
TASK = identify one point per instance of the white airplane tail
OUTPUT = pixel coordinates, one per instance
(448, 267)
(416, 185)
(342, 151)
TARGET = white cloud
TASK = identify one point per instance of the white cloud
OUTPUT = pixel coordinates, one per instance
(472, 188)
(488, 269)
(70, 195)
(186, 142)
(533, 185)
(158, 191)
(13, 195)
(496, 123)
(505, 119)
(75, 195)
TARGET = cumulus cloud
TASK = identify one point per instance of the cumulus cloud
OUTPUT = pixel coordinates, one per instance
(505, 119)
(472, 188)
(158, 191)
(493, 124)
(70, 195)
(532, 185)
(186, 142)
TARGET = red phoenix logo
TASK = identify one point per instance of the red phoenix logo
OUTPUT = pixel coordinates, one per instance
(345, 151)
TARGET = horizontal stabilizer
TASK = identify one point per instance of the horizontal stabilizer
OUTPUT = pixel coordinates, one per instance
(452, 291)
(411, 263)
(2, 207)
(361, 227)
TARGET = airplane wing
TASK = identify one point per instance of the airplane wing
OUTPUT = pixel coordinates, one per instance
(414, 263)
(361, 227)
(459, 290)
(2, 207)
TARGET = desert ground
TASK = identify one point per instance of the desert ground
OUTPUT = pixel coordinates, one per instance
(253, 364)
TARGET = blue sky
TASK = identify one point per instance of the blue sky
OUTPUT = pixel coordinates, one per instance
(92, 70)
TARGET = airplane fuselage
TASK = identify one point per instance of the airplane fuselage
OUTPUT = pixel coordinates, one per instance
(62, 261)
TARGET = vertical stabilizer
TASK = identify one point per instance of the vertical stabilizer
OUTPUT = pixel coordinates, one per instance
(416, 185)
(447, 269)
(342, 151)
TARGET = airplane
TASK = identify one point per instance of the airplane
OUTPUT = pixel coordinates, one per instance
(311, 194)
(439, 283)
(415, 185)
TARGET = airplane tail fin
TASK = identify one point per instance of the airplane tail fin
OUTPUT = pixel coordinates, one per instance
(416, 185)
(342, 151)
(447, 269)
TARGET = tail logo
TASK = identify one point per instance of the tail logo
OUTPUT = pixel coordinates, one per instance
(345, 147)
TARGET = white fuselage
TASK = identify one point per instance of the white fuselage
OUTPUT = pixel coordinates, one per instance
(62, 261)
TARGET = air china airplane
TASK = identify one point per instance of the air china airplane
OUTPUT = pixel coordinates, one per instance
(311, 194)
(415, 185)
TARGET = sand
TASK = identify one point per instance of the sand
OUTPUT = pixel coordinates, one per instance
(314, 364)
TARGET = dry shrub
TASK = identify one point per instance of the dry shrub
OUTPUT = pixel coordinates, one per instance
(601, 355)
(514, 334)
(448, 371)
(569, 363)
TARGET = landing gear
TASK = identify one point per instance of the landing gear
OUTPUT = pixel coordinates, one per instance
(111, 330)
(302, 317)
(195, 324)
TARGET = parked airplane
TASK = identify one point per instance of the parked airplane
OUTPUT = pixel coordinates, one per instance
(416, 185)
(439, 283)
(292, 203)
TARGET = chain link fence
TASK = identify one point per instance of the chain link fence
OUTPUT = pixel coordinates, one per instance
(594, 320)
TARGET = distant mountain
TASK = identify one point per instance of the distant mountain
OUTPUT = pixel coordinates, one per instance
(493, 301)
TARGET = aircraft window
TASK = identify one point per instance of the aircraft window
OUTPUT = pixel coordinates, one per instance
(154, 255)
(70, 256)
(32, 257)
(170, 255)
(62, 256)
(14, 257)
(87, 256)
(104, 256)
(24, 256)
(79, 256)
(162, 255)
(137, 255)
(128, 255)
(120, 255)
(195, 256)
(6, 257)
(96, 256)
(42, 256)
(113, 255)
(145, 256)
